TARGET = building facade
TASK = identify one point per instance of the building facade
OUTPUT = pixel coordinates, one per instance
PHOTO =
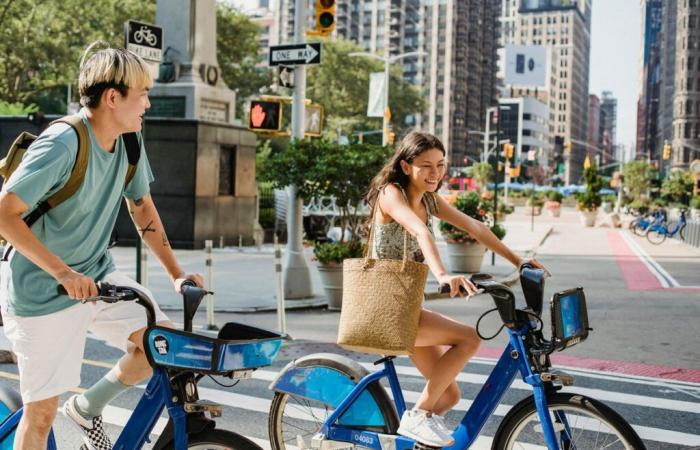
(669, 110)
(456, 70)
(608, 127)
(563, 26)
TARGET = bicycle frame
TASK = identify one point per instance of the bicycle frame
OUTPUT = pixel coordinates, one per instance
(157, 396)
(512, 360)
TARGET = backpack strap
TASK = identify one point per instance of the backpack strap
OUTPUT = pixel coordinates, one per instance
(77, 175)
(133, 153)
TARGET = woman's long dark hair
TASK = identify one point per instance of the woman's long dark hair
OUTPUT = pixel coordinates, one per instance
(411, 145)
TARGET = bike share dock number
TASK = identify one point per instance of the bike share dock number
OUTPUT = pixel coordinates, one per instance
(145, 40)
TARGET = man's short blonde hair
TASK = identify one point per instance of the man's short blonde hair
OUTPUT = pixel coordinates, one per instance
(110, 68)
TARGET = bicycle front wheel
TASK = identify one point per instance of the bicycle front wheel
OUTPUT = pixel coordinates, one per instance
(591, 425)
(216, 439)
(656, 237)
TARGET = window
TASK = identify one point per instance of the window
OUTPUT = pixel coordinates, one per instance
(689, 107)
(227, 170)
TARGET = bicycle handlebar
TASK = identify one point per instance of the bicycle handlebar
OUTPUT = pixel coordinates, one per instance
(112, 294)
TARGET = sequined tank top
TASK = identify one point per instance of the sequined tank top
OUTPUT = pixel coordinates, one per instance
(388, 237)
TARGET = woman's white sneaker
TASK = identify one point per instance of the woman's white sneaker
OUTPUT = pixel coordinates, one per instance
(440, 421)
(417, 425)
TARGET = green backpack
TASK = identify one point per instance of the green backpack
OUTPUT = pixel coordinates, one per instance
(19, 147)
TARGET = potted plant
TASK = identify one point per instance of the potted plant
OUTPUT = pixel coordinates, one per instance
(553, 203)
(326, 169)
(533, 205)
(695, 208)
(464, 253)
(503, 210)
(589, 200)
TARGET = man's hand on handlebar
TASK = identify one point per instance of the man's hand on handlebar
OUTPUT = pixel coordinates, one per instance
(458, 285)
(77, 285)
(196, 278)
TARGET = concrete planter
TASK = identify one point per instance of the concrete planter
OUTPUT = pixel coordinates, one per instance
(332, 279)
(465, 258)
(588, 217)
(530, 211)
(553, 208)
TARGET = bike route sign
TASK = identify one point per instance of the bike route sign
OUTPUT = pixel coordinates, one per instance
(145, 40)
(296, 54)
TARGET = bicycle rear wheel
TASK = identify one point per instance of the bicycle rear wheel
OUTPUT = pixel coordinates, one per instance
(656, 237)
(591, 425)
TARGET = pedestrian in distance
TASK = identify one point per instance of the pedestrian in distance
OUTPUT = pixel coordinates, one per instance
(68, 245)
(403, 196)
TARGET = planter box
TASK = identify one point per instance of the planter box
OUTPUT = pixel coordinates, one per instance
(465, 258)
(553, 208)
(332, 279)
(588, 218)
(530, 211)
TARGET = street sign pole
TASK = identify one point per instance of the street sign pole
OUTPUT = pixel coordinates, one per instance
(297, 279)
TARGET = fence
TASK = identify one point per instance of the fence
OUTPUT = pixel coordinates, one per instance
(692, 232)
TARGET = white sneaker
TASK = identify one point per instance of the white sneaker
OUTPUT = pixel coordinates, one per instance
(440, 422)
(417, 425)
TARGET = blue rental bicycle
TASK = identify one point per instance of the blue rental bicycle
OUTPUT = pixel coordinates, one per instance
(658, 232)
(328, 401)
(179, 360)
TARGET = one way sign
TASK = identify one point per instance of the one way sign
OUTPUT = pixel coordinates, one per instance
(296, 54)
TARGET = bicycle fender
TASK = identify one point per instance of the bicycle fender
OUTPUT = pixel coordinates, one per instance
(324, 377)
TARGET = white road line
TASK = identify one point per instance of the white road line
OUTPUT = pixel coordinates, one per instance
(664, 278)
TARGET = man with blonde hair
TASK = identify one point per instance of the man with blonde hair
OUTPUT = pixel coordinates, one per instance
(68, 245)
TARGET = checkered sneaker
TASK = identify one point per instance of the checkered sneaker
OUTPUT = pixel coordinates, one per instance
(94, 437)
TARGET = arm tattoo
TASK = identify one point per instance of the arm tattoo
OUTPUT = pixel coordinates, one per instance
(165, 240)
(146, 229)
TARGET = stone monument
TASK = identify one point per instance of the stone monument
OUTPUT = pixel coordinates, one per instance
(204, 164)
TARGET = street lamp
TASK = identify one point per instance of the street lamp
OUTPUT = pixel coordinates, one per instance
(387, 61)
(498, 108)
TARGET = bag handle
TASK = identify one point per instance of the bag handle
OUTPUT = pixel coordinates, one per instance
(370, 237)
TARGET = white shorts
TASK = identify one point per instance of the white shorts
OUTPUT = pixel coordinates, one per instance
(50, 348)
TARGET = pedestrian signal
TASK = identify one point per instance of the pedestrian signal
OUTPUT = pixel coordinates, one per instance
(325, 16)
(265, 115)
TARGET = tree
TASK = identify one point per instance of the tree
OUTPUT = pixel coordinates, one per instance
(637, 175)
(678, 187)
(42, 42)
(341, 84)
(481, 172)
(238, 51)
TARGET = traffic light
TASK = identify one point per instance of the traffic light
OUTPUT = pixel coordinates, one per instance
(567, 148)
(390, 138)
(325, 16)
(667, 151)
(265, 115)
(508, 151)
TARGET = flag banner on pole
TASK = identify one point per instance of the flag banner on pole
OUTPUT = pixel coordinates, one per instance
(377, 85)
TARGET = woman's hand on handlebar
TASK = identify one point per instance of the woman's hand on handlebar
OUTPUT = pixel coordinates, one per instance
(459, 285)
(196, 278)
(533, 262)
(77, 285)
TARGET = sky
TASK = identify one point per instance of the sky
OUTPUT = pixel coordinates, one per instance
(615, 49)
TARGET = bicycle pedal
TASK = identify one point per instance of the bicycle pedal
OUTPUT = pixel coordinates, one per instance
(214, 409)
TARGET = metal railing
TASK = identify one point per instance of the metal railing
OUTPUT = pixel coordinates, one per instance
(692, 232)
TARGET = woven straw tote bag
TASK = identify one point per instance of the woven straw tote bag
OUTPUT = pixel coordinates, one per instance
(381, 302)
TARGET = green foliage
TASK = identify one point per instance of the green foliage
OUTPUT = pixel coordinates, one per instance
(637, 176)
(322, 168)
(341, 84)
(471, 204)
(535, 200)
(482, 173)
(642, 206)
(554, 196)
(590, 199)
(336, 252)
(41, 43)
(16, 109)
(678, 187)
(695, 202)
(238, 53)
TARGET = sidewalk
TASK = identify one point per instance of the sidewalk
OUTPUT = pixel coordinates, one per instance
(244, 280)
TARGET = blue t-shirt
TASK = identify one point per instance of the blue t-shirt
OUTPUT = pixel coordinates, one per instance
(78, 230)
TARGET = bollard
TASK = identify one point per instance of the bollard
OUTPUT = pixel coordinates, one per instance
(281, 319)
(221, 242)
(240, 242)
(144, 267)
(210, 286)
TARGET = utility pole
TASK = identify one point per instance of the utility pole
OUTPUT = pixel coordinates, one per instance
(297, 279)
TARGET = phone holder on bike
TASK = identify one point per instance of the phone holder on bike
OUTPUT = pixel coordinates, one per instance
(532, 283)
(569, 318)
